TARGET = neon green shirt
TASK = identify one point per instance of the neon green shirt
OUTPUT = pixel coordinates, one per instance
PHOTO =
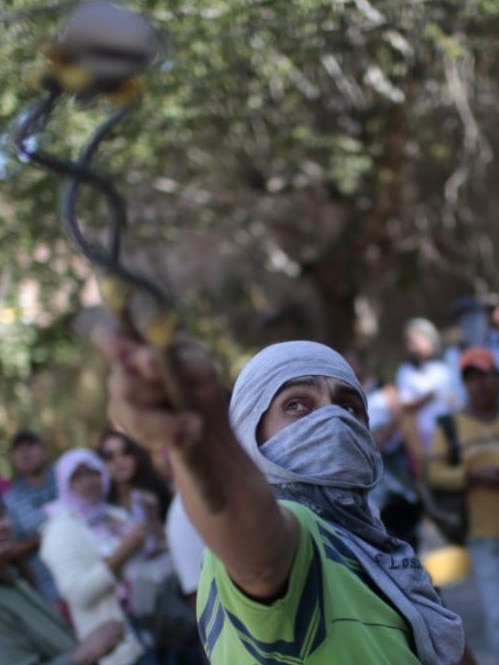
(329, 615)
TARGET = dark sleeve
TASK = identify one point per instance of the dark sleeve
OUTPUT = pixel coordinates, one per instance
(16, 647)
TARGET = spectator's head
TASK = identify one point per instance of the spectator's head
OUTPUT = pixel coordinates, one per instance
(6, 537)
(82, 480)
(126, 460)
(481, 378)
(29, 454)
(422, 339)
(130, 464)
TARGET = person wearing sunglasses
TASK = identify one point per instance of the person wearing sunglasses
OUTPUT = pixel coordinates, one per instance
(135, 484)
(88, 546)
(137, 487)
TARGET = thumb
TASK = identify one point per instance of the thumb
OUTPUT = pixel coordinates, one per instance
(110, 343)
(199, 381)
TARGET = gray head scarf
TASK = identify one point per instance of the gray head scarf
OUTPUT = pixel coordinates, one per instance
(329, 462)
(253, 393)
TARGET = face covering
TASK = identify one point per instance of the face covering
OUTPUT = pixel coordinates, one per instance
(328, 447)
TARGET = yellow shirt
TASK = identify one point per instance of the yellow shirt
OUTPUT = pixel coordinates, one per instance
(479, 448)
(328, 616)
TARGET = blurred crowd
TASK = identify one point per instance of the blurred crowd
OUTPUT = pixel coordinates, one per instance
(436, 422)
(97, 551)
(96, 548)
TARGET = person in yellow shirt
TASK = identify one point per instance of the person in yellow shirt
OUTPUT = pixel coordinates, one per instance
(477, 473)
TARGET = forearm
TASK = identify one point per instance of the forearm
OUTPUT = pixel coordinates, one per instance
(115, 562)
(414, 405)
(119, 558)
(226, 496)
(446, 477)
(80, 656)
(26, 546)
(234, 509)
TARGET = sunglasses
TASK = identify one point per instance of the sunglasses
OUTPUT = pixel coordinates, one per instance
(113, 453)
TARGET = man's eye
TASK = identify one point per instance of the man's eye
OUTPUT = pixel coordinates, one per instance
(296, 406)
(351, 408)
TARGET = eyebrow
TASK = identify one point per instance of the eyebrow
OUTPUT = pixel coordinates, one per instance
(347, 391)
(341, 389)
(302, 381)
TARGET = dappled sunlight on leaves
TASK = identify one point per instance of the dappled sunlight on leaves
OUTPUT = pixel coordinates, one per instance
(304, 151)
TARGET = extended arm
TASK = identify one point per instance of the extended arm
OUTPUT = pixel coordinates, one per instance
(26, 546)
(226, 496)
(414, 405)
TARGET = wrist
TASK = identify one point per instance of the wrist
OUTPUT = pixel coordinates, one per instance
(79, 657)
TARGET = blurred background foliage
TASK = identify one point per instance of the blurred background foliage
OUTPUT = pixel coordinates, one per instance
(298, 168)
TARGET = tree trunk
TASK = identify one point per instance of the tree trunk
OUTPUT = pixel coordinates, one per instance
(337, 299)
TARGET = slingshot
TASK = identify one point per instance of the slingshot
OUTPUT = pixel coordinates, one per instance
(100, 51)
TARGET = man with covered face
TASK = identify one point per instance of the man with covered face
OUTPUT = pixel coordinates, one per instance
(299, 568)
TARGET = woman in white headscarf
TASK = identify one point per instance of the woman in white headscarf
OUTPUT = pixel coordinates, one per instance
(87, 544)
(313, 578)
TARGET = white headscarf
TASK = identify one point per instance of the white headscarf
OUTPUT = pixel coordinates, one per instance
(67, 500)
